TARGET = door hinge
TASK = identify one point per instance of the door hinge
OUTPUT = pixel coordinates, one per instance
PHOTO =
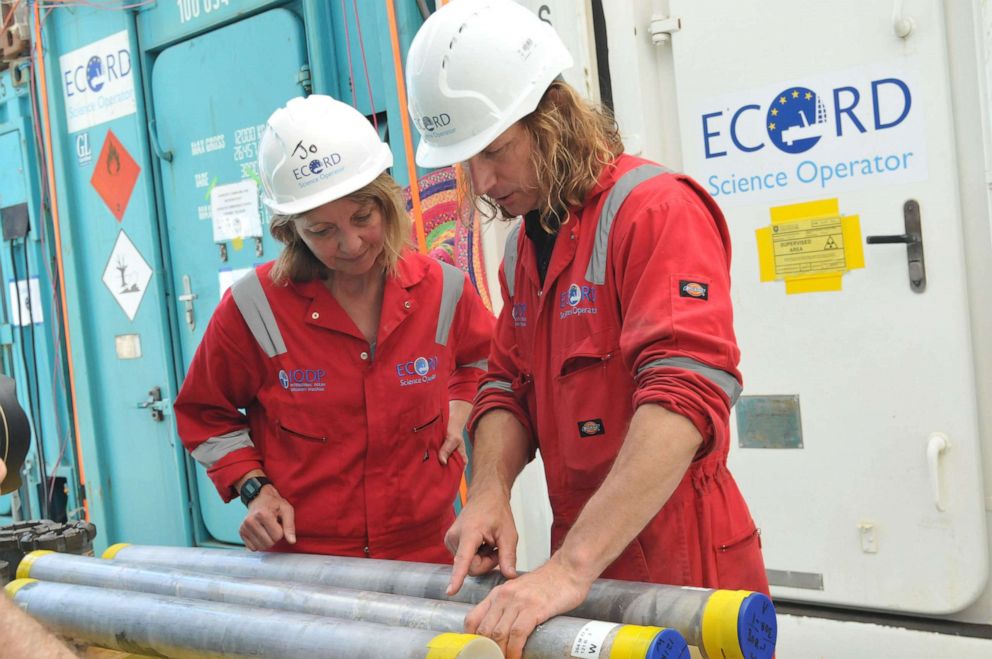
(303, 78)
(661, 28)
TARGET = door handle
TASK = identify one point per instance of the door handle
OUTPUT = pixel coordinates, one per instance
(936, 445)
(913, 239)
(888, 240)
(187, 298)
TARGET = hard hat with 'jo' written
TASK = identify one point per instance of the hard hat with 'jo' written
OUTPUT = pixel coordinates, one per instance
(317, 150)
(474, 68)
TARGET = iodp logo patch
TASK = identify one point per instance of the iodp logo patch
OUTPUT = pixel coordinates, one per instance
(417, 371)
(576, 301)
(519, 314)
(310, 380)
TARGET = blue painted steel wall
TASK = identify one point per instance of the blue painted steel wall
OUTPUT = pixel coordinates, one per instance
(140, 485)
(30, 352)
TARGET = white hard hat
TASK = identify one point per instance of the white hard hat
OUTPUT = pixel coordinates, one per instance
(475, 68)
(316, 150)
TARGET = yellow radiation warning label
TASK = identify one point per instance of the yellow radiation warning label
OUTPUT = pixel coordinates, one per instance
(809, 246)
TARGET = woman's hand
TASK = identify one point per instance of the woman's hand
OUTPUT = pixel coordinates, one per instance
(454, 436)
(270, 518)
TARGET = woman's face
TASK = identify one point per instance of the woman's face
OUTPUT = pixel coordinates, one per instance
(344, 235)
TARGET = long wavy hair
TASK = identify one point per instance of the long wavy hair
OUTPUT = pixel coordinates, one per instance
(574, 140)
(297, 263)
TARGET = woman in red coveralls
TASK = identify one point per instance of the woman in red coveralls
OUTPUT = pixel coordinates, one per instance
(332, 385)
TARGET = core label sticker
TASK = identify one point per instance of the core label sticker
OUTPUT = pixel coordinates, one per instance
(590, 639)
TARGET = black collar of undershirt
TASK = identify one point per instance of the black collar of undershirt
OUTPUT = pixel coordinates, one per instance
(544, 242)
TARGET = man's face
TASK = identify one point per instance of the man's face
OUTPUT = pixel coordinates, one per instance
(3, 471)
(505, 173)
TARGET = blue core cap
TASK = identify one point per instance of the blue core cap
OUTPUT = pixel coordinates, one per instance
(757, 627)
(668, 644)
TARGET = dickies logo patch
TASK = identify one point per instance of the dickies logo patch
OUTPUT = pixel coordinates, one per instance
(591, 428)
(695, 289)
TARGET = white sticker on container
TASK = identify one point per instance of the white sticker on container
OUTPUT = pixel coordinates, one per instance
(234, 211)
(25, 302)
(589, 641)
(97, 82)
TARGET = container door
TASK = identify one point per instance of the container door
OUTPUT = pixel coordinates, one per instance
(817, 126)
(209, 109)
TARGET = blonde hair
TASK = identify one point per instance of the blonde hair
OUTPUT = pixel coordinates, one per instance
(297, 263)
(573, 141)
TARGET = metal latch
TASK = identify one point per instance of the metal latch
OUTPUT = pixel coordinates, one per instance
(187, 298)
(913, 239)
(158, 405)
(661, 28)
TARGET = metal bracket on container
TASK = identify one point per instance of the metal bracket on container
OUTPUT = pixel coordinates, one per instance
(153, 135)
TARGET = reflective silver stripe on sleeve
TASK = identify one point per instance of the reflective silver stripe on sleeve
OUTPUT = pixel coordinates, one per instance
(254, 306)
(510, 258)
(453, 283)
(596, 272)
(482, 363)
(727, 382)
(215, 448)
(502, 385)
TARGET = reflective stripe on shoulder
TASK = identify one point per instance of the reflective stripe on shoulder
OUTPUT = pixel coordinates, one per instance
(453, 283)
(725, 381)
(596, 272)
(510, 258)
(215, 448)
(254, 306)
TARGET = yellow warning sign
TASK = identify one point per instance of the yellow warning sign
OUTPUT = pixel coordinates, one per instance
(809, 246)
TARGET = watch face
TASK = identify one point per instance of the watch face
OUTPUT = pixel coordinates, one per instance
(250, 490)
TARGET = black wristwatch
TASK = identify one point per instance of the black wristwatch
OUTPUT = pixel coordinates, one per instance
(251, 488)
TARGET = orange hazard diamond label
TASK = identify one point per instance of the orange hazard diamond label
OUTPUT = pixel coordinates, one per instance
(114, 175)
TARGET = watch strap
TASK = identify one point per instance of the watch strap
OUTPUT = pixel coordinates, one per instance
(251, 488)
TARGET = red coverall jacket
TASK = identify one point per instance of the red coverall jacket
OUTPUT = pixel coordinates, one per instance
(635, 309)
(347, 434)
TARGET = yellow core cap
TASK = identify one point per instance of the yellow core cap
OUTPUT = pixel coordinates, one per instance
(633, 641)
(15, 585)
(112, 550)
(720, 617)
(24, 568)
(450, 646)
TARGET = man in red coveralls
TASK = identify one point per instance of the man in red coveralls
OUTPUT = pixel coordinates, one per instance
(615, 351)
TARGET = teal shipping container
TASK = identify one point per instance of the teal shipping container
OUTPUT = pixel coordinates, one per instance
(119, 124)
